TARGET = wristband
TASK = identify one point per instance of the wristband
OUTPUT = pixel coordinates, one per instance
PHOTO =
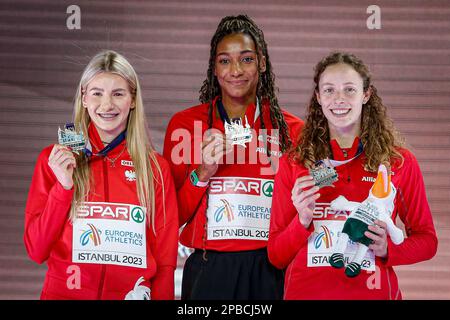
(195, 181)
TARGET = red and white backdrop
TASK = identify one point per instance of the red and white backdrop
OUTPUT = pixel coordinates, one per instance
(167, 41)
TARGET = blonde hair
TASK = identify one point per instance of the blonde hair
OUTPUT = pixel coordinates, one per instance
(378, 135)
(137, 139)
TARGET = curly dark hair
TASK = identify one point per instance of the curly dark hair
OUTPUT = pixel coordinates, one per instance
(266, 90)
(379, 137)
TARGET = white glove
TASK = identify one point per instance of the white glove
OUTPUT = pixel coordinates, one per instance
(139, 292)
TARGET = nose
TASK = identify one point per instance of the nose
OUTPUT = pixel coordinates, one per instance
(106, 103)
(236, 69)
(339, 97)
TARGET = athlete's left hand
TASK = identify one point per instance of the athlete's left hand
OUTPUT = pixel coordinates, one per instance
(379, 237)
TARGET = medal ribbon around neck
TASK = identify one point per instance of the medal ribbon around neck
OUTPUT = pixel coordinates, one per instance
(337, 163)
(224, 116)
(117, 140)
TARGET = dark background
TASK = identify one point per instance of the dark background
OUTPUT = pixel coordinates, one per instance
(167, 42)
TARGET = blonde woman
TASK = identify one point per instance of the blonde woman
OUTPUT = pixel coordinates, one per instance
(105, 220)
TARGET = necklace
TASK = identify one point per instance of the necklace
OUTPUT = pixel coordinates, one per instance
(112, 161)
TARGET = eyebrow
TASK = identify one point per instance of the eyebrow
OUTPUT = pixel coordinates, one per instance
(332, 84)
(100, 89)
(242, 52)
(96, 89)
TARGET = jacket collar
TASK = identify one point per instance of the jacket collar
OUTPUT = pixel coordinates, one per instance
(97, 144)
(251, 113)
(343, 153)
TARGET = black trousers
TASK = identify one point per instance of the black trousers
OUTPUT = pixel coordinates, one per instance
(243, 275)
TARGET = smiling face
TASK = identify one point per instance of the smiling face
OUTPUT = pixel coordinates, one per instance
(108, 101)
(236, 68)
(341, 95)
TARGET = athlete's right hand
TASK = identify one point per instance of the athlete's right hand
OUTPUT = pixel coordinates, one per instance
(304, 196)
(213, 149)
(62, 162)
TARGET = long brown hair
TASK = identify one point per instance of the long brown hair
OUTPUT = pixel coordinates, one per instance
(378, 135)
(266, 90)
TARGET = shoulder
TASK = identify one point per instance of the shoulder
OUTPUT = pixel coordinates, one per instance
(409, 159)
(289, 165)
(294, 124)
(186, 117)
(45, 153)
(291, 119)
(406, 153)
(408, 167)
(42, 169)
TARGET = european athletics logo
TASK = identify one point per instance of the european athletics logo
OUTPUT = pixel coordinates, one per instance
(227, 209)
(92, 233)
(323, 237)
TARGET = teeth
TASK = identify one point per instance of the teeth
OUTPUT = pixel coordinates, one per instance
(106, 115)
(340, 111)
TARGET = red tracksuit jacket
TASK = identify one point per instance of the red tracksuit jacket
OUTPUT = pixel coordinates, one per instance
(304, 252)
(240, 179)
(49, 233)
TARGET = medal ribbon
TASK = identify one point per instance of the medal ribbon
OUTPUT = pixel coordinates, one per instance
(337, 163)
(224, 116)
(117, 140)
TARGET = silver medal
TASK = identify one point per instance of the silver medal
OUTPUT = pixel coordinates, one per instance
(237, 133)
(69, 137)
(324, 174)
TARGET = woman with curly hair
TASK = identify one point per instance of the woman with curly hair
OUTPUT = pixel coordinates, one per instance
(346, 137)
(225, 188)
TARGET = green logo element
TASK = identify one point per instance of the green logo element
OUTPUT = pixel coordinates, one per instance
(138, 215)
(267, 189)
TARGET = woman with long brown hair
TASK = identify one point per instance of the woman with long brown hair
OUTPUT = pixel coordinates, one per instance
(346, 137)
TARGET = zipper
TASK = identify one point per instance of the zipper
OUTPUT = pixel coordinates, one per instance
(345, 153)
(106, 191)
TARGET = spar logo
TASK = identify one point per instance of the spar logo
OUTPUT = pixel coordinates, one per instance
(237, 185)
(225, 210)
(91, 234)
(234, 185)
(323, 238)
(267, 189)
(138, 214)
(323, 211)
(111, 211)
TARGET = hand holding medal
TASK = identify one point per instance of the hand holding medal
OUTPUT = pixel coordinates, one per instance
(304, 192)
(213, 149)
(62, 162)
(304, 196)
